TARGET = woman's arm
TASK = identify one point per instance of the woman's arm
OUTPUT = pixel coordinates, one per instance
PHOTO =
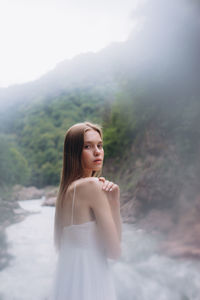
(113, 199)
(113, 195)
(98, 202)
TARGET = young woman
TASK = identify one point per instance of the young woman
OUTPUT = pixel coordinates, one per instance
(87, 228)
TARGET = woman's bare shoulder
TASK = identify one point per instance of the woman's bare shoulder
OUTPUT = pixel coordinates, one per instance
(89, 183)
(87, 189)
(86, 184)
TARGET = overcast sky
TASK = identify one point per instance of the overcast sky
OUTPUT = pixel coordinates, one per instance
(37, 34)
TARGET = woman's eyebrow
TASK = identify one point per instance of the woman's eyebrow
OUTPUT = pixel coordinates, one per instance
(90, 142)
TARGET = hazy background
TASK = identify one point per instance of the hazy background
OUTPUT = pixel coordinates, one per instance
(36, 35)
(134, 68)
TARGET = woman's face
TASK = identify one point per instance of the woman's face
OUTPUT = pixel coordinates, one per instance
(93, 153)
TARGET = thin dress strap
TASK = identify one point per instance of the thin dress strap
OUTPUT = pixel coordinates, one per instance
(73, 204)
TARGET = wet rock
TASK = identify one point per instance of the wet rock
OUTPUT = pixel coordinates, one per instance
(49, 201)
(183, 240)
(27, 193)
(49, 194)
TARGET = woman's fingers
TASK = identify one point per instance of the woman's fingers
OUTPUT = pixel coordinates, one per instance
(108, 185)
(102, 179)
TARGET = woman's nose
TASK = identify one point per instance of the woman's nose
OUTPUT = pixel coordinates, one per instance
(97, 150)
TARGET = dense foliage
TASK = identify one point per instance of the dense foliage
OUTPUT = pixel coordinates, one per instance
(39, 129)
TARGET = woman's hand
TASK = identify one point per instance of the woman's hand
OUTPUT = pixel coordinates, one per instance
(108, 186)
(113, 195)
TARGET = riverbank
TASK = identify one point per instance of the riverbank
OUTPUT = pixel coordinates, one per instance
(179, 230)
(11, 212)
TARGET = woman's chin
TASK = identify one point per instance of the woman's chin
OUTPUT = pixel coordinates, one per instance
(97, 168)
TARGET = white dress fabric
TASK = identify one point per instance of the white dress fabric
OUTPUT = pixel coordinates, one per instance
(82, 270)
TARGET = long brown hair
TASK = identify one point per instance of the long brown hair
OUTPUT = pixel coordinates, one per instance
(72, 168)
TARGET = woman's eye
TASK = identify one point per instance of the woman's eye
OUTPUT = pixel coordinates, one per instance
(100, 146)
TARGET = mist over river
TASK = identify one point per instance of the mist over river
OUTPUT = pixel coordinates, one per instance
(140, 274)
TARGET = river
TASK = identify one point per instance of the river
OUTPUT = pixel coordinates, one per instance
(140, 274)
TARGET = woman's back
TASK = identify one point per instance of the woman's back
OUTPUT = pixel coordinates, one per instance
(82, 211)
(82, 269)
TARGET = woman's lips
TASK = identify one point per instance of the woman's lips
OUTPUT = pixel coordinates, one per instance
(97, 161)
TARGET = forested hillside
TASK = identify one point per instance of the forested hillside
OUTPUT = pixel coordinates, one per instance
(36, 132)
(145, 92)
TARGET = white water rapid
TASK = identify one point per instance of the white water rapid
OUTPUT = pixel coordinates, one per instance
(140, 273)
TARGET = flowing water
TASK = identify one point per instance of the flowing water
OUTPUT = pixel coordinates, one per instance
(140, 273)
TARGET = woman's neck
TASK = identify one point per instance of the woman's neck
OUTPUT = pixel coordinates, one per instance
(87, 174)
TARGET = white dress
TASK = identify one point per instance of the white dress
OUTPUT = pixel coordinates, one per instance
(82, 269)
